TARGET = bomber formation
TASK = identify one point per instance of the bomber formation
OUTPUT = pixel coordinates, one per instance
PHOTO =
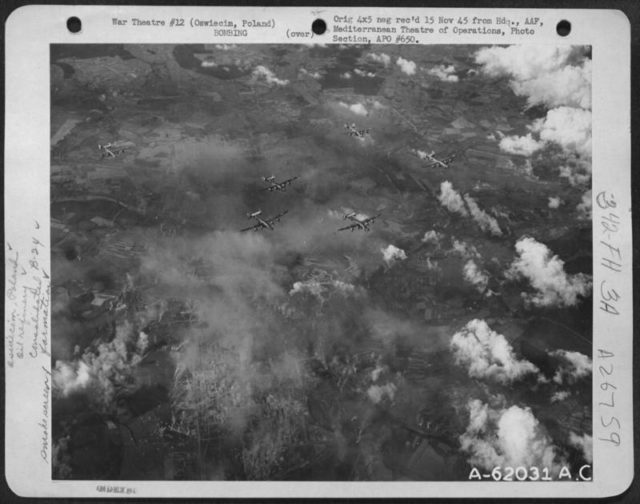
(212, 318)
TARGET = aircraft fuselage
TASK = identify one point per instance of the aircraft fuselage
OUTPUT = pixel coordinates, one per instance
(264, 223)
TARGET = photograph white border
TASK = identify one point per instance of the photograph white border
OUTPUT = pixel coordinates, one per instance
(30, 31)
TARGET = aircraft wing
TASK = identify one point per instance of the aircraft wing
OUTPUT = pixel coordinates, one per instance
(122, 144)
(255, 227)
(279, 185)
(352, 226)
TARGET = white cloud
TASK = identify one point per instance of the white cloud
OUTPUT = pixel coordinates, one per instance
(142, 343)
(263, 72)
(356, 108)
(545, 272)
(583, 443)
(102, 369)
(392, 254)
(444, 73)
(483, 219)
(475, 276)
(407, 66)
(508, 437)
(454, 202)
(383, 58)
(527, 168)
(520, 145)
(375, 374)
(584, 207)
(568, 127)
(546, 75)
(574, 367)
(464, 249)
(570, 85)
(344, 287)
(451, 199)
(363, 73)
(522, 62)
(321, 290)
(432, 236)
(487, 354)
(556, 77)
(432, 265)
(554, 202)
(420, 153)
(560, 395)
(359, 109)
(312, 287)
(378, 392)
(578, 175)
(70, 377)
(313, 75)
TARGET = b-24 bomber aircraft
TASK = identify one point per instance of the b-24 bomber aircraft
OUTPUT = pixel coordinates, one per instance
(263, 223)
(432, 160)
(277, 186)
(352, 130)
(114, 149)
(359, 221)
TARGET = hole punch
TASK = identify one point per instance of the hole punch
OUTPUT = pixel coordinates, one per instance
(319, 26)
(74, 25)
(563, 28)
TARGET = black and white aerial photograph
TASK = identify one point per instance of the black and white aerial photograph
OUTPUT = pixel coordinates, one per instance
(321, 262)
